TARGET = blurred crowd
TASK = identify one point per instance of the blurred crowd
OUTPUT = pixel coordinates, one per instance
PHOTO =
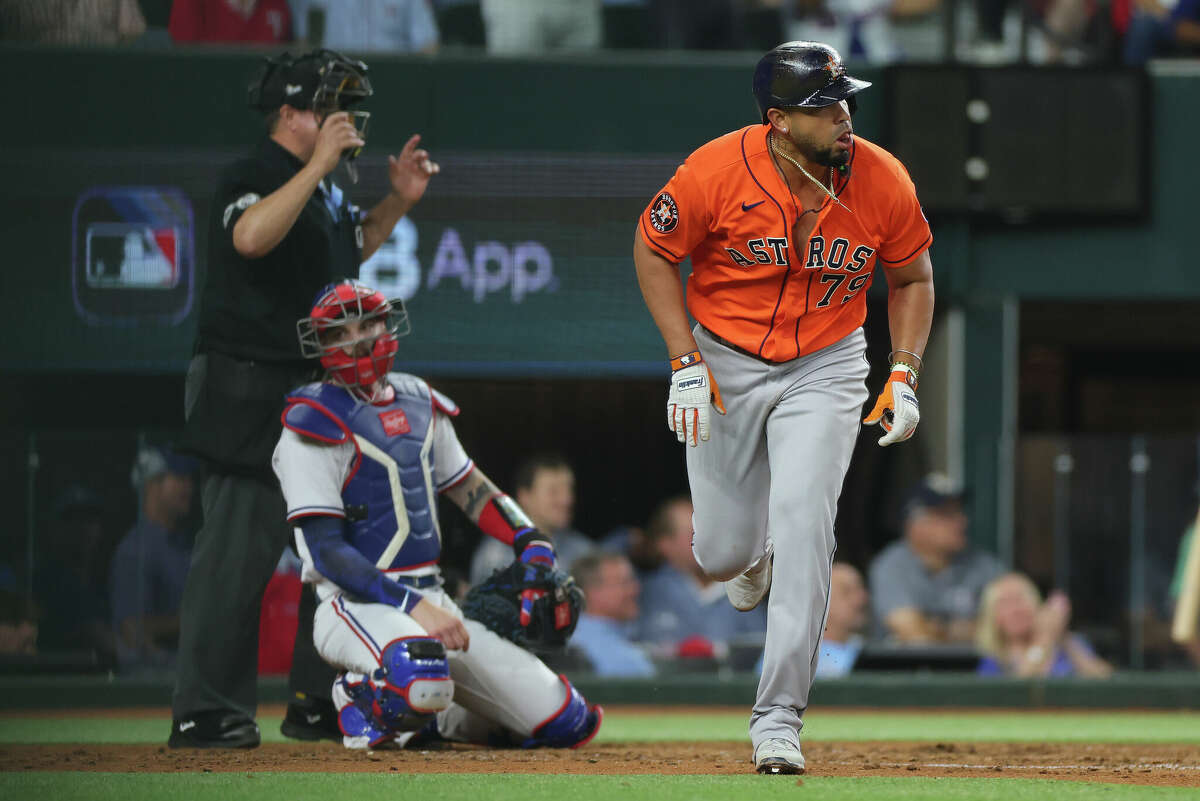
(988, 32)
(928, 598)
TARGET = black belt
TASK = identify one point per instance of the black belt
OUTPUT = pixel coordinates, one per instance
(723, 341)
(420, 582)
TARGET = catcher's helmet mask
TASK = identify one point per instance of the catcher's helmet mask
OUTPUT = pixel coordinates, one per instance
(363, 369)
(321, 81)
(800, 74)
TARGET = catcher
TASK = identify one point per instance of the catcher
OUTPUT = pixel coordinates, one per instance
(361, 456)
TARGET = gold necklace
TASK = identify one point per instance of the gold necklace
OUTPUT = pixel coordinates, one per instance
(779, 152)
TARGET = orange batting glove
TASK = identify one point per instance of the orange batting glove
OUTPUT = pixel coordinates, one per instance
(693, 389)
(897, 410)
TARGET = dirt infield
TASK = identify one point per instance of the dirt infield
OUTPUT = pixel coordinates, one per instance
(1173, 765)
(1152, 763)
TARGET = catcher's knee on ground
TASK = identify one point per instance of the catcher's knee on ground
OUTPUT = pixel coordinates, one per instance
(411, 685)
(572, 726)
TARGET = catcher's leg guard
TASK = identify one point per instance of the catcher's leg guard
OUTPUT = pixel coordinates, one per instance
(354, 700)
(413, 684)
(572, 726)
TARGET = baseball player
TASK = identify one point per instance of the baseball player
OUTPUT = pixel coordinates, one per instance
(361, 460)
(784, 222)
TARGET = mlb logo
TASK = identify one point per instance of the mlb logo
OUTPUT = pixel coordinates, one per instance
(394, 422)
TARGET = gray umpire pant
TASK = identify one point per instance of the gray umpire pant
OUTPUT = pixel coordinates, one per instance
(768, 481)
(236, 551)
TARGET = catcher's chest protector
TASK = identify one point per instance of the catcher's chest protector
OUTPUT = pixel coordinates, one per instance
(389, 498)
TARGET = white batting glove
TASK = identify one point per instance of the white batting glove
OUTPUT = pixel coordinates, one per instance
(692, 391)
(897, 410)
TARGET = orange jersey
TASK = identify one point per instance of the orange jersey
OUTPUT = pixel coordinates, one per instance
(728, 207)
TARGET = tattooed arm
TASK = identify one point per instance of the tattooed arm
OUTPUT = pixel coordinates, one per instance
(472, 493)
(496, 513)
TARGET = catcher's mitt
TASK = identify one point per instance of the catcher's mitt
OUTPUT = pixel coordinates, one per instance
(496, 603)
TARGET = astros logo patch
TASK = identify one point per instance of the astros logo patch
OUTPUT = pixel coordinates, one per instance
(664, 214)
(835, 68)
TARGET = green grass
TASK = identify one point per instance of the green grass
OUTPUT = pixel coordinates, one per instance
(1100, 727)
(324, 787)
(828, 724)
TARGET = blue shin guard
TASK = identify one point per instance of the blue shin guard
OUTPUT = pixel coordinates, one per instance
(573, 726)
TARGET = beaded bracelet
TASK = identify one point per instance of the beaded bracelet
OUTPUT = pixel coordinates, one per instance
(911, 373)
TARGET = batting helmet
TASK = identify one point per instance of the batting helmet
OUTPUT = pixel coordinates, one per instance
(802, 75)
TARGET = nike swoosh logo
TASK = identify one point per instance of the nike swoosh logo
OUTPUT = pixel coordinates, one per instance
(312, 718)
(187, 724)
(747, 207)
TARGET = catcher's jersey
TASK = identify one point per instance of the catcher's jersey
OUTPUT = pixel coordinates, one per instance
(728, 207)
(379, 466)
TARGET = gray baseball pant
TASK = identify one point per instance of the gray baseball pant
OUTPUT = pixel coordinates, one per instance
(767, 482)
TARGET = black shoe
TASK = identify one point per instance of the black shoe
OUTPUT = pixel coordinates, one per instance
(428, 738)
(215, 728)
(311, 719)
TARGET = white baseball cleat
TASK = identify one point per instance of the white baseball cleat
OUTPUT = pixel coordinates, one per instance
(747, 590)
(778, 756)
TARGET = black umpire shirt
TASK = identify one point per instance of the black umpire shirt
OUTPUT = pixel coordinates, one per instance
(250, 356)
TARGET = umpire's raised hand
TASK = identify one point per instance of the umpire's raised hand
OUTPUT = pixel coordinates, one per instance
(409, 173)
(337, 135)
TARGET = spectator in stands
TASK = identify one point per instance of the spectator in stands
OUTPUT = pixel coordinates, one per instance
(1018, 635)
(1161, 27)
(1185, 27)
(70, 580)
(678, 600)
(546, 491)
(1186, 543)
(515, 27)
(634, 543)
(842, 639)
(878, 31)
(611, 593)
(71, 22)
(18, 626)
(150, 565)
(926, 586)
(256, 21)
(848, 611)
(360, 26)
(697, 24)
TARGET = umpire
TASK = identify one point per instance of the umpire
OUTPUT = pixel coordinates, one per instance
(280, 231)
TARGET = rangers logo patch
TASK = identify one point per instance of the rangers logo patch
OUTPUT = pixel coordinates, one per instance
(395, 422)
(664, 213)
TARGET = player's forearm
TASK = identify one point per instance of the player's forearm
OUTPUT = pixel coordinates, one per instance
(909, 626)
(380, 220)
(910, 316)
(496, 514)
(472, 494)
(349, 569)
(1086, 663)
(267, 222)
(663, 293)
